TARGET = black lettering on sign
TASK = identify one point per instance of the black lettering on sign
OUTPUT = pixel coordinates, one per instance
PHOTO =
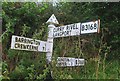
(29, 47)
(37, 43)
(62, 59)
(65, 64)
(95, 25)
(44, 47)
(67, 27)
(60, 28)
(28, 41)
(26, 47)
(62, 33)
(17, 39)
(68, 60)
(32, 41)
(23, 46)
(71, 27)
(57, 29)
(25, 40)
(83, 27)
(54, 30)
(17, 45)
(22, 39)
(76, 62)
(32, 47)
(91, 27)
(66, 33)
(74, 27)
(88, 27)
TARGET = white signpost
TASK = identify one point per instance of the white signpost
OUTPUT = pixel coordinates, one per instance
(79, 62)
(23, 43)
(67, 30)
(75, 29)
(65, 61)
(51, 21)
(68, 61)
(90, 27)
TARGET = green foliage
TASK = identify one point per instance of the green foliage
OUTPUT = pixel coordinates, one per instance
(19, 72)
(25, 30)
(22, 19)
(5, 72)
(44, 75)
(100, 51)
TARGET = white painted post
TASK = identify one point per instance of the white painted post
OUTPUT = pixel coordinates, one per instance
(50, 40)
(51, 21)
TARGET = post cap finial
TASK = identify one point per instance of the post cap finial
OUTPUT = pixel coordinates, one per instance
(52, 20)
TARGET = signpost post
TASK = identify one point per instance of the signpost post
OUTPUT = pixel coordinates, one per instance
(90, 27)
(67, 30)
(51, 21)
(28, 44)
(68, 61)
(75, 29)
(23, 43)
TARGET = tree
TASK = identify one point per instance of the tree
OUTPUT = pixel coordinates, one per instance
(23, 19)
(100, 51)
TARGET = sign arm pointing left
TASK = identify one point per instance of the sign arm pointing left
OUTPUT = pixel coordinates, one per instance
(28, 44)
